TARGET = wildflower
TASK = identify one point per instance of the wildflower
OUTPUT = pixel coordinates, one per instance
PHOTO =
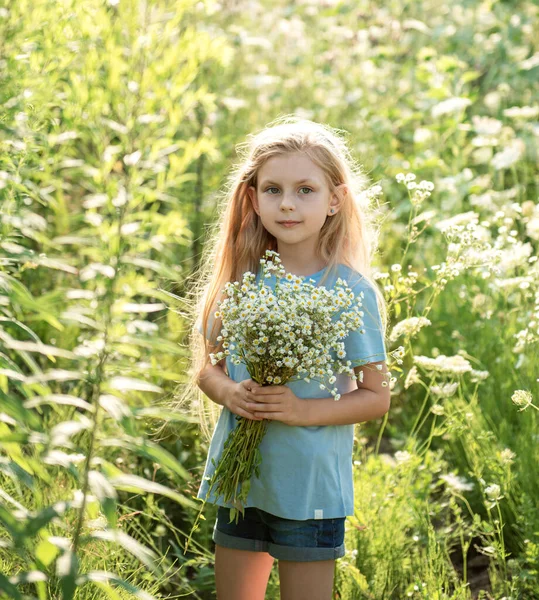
(456, 483)
(486, 125)
(409, 327)
(412, 377)
(476, 376)
(451, 105)
(450, 365)
(529, 63)
(493, 492)
(422, 134)
(522, 112)
(402, 456)
(507, 456)
(445, 390)
(522, 398)
(509, 155)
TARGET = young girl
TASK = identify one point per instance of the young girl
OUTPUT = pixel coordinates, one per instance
(297, 192)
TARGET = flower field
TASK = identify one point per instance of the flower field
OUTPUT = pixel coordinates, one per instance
(118, 125)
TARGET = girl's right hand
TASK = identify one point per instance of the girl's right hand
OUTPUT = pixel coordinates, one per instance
(237, 399)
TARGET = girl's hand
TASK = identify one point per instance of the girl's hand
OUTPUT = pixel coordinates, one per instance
(278, 403)
(237, 401)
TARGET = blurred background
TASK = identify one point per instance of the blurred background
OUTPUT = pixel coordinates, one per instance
(119, 122)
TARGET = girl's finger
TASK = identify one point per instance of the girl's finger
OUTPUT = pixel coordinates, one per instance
(264, 407)
(248, 415)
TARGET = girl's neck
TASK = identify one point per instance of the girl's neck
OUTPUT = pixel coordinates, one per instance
(303, 269)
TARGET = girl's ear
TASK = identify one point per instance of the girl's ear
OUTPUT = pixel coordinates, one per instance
(251, 190)
(340, 192)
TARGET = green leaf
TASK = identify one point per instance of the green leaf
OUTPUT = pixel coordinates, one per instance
(43, 518)
(152, 451)
(144, 554)
(28, 577)
(358, 578)
(67, 567)
(154, 343)
(132, 383)
(168, 271)
(134, 483)
(106, 494)
(46, 552)
(13, 407)
(102, 579)
(11, 468)
(468, 76)
(163, 413)
(11, 524)
(116, 407)
(45, 349)
(109, 590)
(54, 399)
(9, 588)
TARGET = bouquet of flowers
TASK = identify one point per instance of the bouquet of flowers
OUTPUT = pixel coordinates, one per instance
(281, 335)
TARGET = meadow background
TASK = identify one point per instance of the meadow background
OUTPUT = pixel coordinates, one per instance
(118, 125)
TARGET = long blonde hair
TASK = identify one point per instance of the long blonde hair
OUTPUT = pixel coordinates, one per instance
(239, 239)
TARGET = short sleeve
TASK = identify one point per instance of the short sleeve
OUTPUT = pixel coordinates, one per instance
(367, 347)
(211, 319)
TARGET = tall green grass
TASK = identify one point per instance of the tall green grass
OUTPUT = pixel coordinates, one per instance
(118, 122)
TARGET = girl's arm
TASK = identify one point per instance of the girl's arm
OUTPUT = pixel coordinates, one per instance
(370, 401)
(218, 386)
(215, 383)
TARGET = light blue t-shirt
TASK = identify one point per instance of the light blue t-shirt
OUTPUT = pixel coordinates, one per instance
(306, 472)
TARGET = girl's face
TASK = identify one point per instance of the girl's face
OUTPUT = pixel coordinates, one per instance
(292, 188)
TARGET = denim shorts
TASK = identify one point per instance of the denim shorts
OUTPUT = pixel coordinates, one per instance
(284, 539)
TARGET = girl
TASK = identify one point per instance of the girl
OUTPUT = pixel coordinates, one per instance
(297, 192)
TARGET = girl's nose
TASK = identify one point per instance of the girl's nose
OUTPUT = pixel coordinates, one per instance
(287, 201)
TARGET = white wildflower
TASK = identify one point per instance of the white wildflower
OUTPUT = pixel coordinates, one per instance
(522, 112)
(493, 492)
(445, 390)
(291, 331)
(457, 483)
(507, 456)
(451, 105)
(412, 377)
(402, 456)
(449, 365)
(522, 398)
(409, 327)
(509, 155)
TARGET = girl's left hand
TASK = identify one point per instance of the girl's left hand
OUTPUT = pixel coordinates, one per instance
(277, 403)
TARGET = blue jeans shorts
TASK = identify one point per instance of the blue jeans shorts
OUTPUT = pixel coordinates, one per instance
(284, 539)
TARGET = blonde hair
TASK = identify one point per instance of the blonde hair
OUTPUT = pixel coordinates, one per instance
(239, 240)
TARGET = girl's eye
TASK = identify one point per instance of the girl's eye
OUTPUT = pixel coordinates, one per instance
(301, 188)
